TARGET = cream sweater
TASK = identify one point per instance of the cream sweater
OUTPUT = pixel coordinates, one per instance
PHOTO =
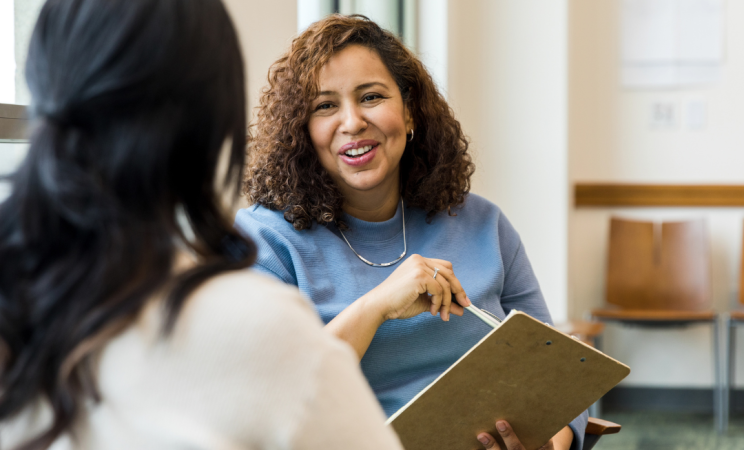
(248, 366)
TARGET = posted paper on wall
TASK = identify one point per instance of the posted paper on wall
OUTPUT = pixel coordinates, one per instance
(671, 43)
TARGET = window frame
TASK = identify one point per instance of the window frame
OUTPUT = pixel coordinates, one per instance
(13, 123)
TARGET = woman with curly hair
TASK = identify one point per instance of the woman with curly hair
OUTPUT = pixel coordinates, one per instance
(359, 178)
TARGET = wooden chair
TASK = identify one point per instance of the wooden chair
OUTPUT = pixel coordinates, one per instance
(595, 429)
(658, 275)
(732, 320)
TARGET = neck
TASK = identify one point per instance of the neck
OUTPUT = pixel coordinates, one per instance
(373, 206)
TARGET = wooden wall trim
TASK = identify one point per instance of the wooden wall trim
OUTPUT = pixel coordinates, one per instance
(596, 194)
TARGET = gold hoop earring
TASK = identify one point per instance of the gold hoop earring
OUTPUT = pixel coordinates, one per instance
(411, 138)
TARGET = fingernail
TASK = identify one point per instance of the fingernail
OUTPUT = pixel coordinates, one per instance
(467, 300)
(484, 440)
(501, 426)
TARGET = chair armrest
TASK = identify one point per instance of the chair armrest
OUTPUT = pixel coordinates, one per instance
(601, 427)
(582, 329)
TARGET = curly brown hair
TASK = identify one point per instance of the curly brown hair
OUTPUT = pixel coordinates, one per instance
(284, 171)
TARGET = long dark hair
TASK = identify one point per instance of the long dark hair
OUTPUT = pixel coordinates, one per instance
(133, 101)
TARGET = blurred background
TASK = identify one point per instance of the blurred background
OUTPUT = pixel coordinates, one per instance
(553, 94)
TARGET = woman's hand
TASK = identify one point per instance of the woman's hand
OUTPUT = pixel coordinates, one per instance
(410, 290)
(561, 441)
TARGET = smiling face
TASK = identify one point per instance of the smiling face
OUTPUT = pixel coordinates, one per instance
(358, 126)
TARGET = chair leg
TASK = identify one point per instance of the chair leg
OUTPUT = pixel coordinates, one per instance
(726, 373)
(718, 389)
(595, 410)
(731, 363)
(590, 440)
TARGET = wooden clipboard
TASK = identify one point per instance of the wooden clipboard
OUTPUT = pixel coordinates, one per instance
(526, 372)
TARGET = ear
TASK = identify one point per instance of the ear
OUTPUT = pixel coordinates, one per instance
(408, 117)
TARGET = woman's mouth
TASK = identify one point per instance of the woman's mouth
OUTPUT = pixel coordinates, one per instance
(356, 152)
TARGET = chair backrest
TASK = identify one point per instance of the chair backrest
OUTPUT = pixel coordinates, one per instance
(664, 266)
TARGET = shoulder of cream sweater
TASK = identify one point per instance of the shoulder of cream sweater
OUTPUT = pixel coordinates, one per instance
(252, 293)
(247, 365)
(230, 306)
(243, 364)
(234, 316)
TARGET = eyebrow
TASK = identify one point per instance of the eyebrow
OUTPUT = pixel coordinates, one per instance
(358, 88)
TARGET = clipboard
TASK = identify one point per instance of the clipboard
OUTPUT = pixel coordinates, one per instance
(525, 372)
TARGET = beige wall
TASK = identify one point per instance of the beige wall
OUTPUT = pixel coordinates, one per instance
(266, 29)
(610, 139)
(508, 64)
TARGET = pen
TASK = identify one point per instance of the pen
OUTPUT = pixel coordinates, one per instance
(488, 318)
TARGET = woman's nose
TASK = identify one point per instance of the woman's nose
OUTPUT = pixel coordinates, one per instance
(353, 121)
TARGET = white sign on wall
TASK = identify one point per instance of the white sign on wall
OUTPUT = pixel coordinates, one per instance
(671, 43)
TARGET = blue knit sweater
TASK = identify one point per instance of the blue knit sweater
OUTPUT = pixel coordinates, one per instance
(405, 355)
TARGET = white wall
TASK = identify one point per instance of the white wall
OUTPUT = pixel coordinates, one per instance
(432, 40)
(508, 63)
(610, 140)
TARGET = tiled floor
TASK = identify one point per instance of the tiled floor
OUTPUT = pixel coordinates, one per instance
(671, 431)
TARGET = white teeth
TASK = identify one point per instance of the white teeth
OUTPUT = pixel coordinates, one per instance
(358, 151)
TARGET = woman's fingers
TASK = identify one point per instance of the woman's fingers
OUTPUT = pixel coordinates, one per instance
(445, 269)
(488, 441)
(456, 309)
(439, 289)
(444, 309)
(507, 434)
(435, 289)
(452, 289)
(445, 293)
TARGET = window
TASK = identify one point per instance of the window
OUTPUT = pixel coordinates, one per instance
(17, 18)
(11, 155)
(13, 141)
(421, 24)
(398, 16)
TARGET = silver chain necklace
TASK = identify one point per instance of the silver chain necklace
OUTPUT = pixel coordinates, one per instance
(387, 264)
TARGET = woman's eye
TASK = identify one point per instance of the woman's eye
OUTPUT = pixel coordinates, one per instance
(371, 97)
(323, 106)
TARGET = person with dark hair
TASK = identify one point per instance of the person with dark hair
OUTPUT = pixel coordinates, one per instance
(126, 321)
(359, 177)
